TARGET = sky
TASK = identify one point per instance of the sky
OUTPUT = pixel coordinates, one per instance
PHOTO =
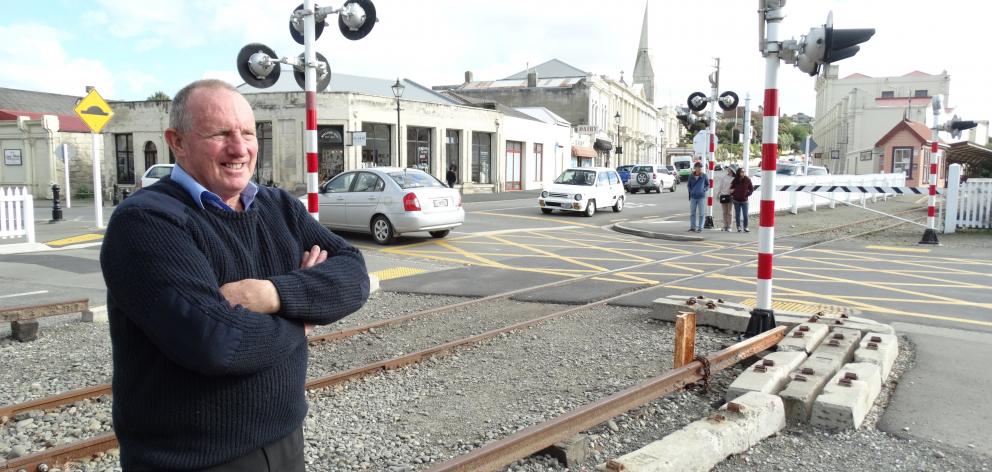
(129, 49)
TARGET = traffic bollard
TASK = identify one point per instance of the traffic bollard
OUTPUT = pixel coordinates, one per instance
(56, 208)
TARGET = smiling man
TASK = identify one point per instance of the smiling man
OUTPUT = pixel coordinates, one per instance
(211, 282)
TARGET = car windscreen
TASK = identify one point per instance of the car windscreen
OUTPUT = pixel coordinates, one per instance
(577, 177)
(816, 171)
(159, 172)
(786, 169)
(415, 179)
(639, 169)
(682, 165)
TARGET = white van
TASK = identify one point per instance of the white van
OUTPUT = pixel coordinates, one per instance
(683, 165)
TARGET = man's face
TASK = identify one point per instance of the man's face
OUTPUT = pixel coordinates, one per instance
(220, 151)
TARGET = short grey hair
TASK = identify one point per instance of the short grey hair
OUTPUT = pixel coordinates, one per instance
(179, 116)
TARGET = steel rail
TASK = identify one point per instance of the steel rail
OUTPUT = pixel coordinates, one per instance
(57, 456)
(529, 440)
(90, 446)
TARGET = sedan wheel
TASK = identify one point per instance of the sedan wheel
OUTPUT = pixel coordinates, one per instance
(591, 208)
(440, 233)
(382, 230)
(618, 206)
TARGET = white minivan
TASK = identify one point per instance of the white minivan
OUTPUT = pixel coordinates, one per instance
(583, 189)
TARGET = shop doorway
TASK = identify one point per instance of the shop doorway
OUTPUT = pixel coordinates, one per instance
(330, 152)
(513, 163)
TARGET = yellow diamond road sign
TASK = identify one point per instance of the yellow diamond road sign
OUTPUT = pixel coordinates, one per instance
(94, 111)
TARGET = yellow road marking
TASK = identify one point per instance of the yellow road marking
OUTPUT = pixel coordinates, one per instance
(531, 218)
(75, 239)
(898, 249)
(800, 307)
(551, 254)
(397, 272)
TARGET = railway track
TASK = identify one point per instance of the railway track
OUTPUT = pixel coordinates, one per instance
(44, 459)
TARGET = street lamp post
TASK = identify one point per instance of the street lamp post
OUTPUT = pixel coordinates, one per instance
(398, 92)
(619, 147)
(661, 144)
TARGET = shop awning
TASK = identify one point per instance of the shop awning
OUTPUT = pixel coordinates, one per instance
(602, 145)
(579, 151)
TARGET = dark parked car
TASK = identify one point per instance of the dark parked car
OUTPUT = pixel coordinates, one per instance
(624, 172)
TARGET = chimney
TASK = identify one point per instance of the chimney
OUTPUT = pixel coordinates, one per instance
(531, 79)
(468, 76)
(89, 88)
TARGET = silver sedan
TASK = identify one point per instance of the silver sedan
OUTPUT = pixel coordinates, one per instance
(388, 201)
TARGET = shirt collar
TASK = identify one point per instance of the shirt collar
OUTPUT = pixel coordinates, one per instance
(201, 195)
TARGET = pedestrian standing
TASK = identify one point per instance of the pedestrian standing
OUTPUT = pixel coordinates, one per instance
(212, 282)
(740, 191)
(726, 202)
(451, 176)
(698, 185)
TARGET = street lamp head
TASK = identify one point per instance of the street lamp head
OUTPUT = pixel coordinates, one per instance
(617, 118)
(398, 88)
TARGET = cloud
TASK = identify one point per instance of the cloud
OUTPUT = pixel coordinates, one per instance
(32, 58)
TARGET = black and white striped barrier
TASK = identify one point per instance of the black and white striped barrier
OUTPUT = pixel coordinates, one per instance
(855, 189)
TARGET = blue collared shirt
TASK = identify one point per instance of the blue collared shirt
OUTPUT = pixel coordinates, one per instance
(201, 195)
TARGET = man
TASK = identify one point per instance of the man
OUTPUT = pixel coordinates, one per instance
(698, 185)
(210, 283)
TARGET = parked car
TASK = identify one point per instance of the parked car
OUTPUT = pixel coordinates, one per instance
(651, 177)
(584, 189)
(155, 172)
(389, 201)
(672, 170)
(624, 173)
(794, 168)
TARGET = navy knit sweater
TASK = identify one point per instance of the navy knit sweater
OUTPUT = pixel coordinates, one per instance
(198, 382)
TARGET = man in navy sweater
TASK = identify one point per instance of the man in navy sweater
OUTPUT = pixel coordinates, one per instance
(211, 284)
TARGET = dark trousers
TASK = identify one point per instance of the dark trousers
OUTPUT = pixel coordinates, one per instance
(740, 214)
(284, 455)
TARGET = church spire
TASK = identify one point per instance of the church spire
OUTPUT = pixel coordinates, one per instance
(643, 69)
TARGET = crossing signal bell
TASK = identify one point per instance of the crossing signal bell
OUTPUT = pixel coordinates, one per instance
(956, 125)
(728, 100)
(826, 44)
(697, 101)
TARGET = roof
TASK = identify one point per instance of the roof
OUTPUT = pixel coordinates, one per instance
(356, 84)
(917, 73)
(857, 75)
(40, 102)
(487, 104)
(966, 152)
(919, 129)
(519, 83)
(67, 123)
(551, 69)
(543, 114)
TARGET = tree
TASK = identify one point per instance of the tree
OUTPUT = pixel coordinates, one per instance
(159, 96)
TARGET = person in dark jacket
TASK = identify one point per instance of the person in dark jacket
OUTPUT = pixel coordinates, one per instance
(451, 176)
(212, 283)
(740, 191)
(698, 185)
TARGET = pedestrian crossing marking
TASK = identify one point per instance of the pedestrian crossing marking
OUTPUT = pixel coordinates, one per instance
(75, 240)
(397, 272)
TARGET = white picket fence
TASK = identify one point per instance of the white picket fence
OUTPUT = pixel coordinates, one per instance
(794, 200)
(968, 204)
(16, 213)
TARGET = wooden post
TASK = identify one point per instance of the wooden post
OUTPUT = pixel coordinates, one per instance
(685, 338)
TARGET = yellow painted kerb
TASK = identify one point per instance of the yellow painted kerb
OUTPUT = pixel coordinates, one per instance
(76, 239)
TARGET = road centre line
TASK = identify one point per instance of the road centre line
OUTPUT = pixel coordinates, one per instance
(24, 294)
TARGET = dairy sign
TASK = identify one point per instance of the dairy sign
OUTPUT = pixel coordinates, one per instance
(586, 129)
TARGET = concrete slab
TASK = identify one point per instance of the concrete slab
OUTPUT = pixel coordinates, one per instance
(24, 330)
(709, 312)
(768, 375)
(699, 446)
(880, 349)
(96, 314)
(841, 342)
(806, 384)
(848, 396)
(805, 337)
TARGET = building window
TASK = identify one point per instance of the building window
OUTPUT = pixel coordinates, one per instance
(418, 148)
(888, 94)
(151, 154)
(376, 152)
(538, 162)
(482, 144)
(902, 161)
(514, 165)
(263, 162)
(330, 152)
(920, 93)
(453, 148)
(125, 158)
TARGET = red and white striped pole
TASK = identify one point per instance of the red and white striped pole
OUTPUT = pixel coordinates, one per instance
(310, 88)
(930, 234)
(763, 317)
(711, 152)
